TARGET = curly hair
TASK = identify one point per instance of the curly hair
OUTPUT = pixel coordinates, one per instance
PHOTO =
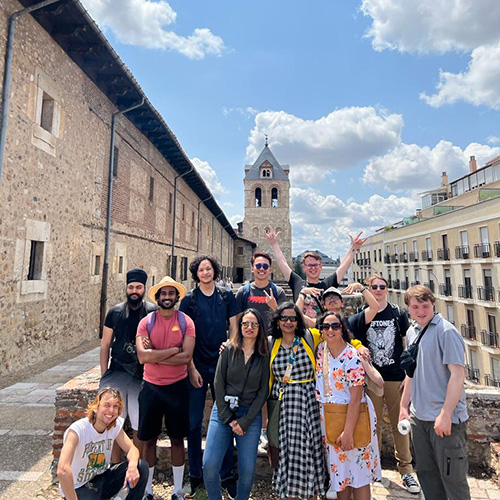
(276, 332)
(92, 407)
(346, 334)
(261, 343)
(193, 267)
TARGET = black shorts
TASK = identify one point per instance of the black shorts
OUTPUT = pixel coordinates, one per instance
(159, 401)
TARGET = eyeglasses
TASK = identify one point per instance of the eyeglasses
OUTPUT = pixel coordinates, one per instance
(376, 287)
(292, 319)
(253, 324)
(312, 266)
(262, 266)
(332, 298)
(332, 326)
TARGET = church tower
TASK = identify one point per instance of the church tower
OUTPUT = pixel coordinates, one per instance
(267, 201)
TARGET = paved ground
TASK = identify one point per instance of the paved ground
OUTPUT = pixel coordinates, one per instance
(26, 422)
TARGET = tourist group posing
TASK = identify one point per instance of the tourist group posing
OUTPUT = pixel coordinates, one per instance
(297, 377)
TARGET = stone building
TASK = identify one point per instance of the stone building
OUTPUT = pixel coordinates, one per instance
(267, 201)
(452, 246)
(66, 85)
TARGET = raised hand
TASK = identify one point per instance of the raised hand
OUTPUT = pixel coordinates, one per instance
(271, 235)
(357, 242)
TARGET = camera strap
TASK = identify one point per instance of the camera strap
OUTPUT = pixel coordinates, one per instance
(421, 334)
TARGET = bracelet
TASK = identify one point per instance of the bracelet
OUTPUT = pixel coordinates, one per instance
(364, 289)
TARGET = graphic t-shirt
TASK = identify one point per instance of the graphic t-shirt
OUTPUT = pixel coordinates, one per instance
(93, 452)
(297, 283)
(166, 333)
(257, 300)
(210, 315)
(384, 337)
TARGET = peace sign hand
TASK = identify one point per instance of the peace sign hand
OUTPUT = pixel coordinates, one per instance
(270, 300)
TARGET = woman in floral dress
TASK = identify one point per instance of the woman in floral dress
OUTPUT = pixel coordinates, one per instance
(352, 470)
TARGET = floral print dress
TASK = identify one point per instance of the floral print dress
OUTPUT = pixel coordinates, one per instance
(359, 466)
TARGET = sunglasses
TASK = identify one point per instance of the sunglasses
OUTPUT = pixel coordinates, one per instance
(330, 326)
(253, 324)
(331, 298)
(292, 319)
(262, 266)
(376, 287)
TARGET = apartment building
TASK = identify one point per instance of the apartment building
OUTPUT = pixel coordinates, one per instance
(452, 245)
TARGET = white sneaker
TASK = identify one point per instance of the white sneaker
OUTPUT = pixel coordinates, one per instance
(331, 494)
(410, 483)
(263, 441)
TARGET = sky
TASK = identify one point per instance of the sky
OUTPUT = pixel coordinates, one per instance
(367, 101)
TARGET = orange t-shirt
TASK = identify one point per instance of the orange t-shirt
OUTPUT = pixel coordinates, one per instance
(166, 332)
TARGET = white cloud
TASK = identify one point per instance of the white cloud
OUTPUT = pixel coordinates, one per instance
(143, 22)
(420, 167)
(432, 25)
(315, 148)
(209, 175)
(325, 222)
(234, 219)
(248, 112)
(493, 139)
(479, 85)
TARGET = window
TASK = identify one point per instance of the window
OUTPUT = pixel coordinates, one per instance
(36, 261)
(415, 247)
(274, 197)
(258, 197)
(151, 188)
(192, 219)
(450, 313)
(47, 116)
(97, 265)
(266, 172)
(170, 202)
(183, 212)
(374, 255)
(115, 162)
(120, 264)
(239, 250)
(428, 244)
(464, 238)
(483, 234)
(380, 255)
(417, 276)
(405, 248)
(255, 232)
(184, 268)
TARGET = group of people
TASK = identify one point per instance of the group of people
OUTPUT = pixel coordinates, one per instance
(286, 367)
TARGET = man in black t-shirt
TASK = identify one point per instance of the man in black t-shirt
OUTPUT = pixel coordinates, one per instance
(384, 334)
(213, 309)
(312, 266)
(118, 336)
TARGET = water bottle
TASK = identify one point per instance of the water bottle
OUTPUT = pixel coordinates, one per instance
(404, 426)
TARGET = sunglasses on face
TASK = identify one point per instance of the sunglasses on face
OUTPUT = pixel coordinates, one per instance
(292, 319)
(376, 287)
(331, 298)
(332, 326)
(262, 266)
(253, 324)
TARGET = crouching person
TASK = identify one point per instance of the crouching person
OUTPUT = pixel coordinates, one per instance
(84, 469)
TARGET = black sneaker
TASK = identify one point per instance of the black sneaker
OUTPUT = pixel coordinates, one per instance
(410, 483)
(230, 487)
(194, 484)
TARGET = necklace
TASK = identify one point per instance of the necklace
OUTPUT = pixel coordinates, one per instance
(248, 354)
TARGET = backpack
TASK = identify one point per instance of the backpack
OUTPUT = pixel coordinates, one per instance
(396, 314)
(246, 292)
(181, 317)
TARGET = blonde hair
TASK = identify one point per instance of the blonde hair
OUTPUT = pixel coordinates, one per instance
(374, 277)
(92, 407)
(419, 292)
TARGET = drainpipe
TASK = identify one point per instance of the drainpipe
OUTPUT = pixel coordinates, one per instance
(198, 232)
(105, 268)
(221, 242)
(175, 213)
(8, 69)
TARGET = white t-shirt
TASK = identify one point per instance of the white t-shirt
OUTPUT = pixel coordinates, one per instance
(93, 452)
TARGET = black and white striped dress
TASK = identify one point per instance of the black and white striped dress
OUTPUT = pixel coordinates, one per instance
(301, 469)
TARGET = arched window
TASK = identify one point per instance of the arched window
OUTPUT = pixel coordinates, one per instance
(274, 197)
(258, 197)
(255, 232)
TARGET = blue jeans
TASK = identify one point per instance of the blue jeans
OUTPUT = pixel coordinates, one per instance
(197, 399)
(219, 437)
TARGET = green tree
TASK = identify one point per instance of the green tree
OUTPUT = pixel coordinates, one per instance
(298, 269)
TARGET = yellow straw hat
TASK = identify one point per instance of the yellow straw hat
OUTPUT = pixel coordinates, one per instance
(167, 281)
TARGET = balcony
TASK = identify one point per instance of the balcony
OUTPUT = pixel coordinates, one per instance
(426, 255)
(413, 256)
(465, 291)
(387, 259)
(359, 262)
(472, 374)
(468, 332)
(462, 252)
(430, 285)
(486, 293)
(394, 258)
(490, 381)
(496, 248)
(415, 283)
(443, 254)
(367, 262)
(396, 284)
(445, 289)
(489, 339)
(482, 251)
(404, 258)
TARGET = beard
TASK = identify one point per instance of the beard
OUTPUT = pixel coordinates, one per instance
(134, 302)
(166, 304)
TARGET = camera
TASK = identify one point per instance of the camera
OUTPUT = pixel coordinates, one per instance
(233, 402)
(129, 348)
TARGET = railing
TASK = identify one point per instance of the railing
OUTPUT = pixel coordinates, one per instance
(445, 289)
(430, 285)
(396, 284)
(472, 374)
(359, 262)
(465, 291)
(468, 332)
(368, 262)
(496, 248)
(489, 338)
(443, 254)
(482, 251)
(389, 283)
(486, 293)
(387, 259)
(490, 381)
(462, 252)
(403, 258)
(405, 284)
(427, 255)
(413, 256)
(394, 258)
(415, 283)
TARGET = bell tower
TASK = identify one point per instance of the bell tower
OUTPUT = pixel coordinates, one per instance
(267, 201)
